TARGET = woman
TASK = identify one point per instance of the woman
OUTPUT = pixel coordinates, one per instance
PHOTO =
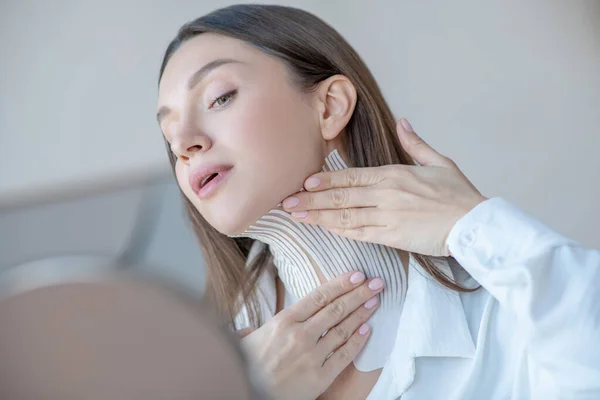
(252, 100)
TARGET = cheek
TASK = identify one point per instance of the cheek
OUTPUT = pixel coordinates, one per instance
(278, 130)
(182, 174)
(273, 139)
(280, 142)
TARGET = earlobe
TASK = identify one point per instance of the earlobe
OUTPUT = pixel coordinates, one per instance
(338, 98)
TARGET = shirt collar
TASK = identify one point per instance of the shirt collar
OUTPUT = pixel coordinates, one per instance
(433, 322)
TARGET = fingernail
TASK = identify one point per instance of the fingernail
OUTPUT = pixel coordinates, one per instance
(407, 126)
(363, 330)
(376, 284)
(357, 277)
(300, 214)
(312, 183)
(372, 302)
(291, 202)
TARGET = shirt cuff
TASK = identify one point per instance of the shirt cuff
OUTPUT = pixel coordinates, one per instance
(497, 233)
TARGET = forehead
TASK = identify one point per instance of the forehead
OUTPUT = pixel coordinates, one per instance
(204, 48)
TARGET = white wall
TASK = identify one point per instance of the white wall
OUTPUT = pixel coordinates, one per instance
(509, 89)
(99, 225)
(142, 227)
(172, 248)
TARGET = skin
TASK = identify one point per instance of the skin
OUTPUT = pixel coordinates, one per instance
(274, 135)
(296, 359)
(249, 114)
(411, 208)
(271, 132)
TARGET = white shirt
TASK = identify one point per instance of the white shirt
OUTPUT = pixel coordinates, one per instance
(532, 331)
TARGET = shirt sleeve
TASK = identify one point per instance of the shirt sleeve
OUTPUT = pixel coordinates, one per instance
(551, 283)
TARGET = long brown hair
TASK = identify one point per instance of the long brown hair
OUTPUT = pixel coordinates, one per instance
(313, 51)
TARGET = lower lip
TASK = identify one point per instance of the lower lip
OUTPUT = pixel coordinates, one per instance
(207, 190)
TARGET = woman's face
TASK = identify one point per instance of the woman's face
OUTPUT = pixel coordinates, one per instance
(230, 109)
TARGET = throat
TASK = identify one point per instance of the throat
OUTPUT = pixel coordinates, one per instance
(308, 255)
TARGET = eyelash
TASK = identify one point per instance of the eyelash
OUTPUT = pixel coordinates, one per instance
(229, 97)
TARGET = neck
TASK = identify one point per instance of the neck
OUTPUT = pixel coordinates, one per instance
(307, 255)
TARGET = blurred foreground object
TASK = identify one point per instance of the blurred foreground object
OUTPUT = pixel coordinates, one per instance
(87, 334)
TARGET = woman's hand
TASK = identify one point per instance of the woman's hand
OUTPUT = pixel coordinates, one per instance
(297, 360)
(412, 208)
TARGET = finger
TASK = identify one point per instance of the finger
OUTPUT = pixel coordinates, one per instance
(346, 218)
(324, 295)
(343, 356)
(339, 334)
(418, 149)
(343, 306)
(362, 233)
(349, 177)
(332, 199)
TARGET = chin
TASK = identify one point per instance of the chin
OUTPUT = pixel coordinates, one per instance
(228, 226)
(230, 221)
(230, 216)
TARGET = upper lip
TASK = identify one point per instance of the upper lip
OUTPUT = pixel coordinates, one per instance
(203, 171)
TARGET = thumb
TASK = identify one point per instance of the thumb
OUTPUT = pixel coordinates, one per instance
(242, 333)
(418, 149)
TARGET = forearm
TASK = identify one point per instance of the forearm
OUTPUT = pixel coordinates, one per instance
(551, 283)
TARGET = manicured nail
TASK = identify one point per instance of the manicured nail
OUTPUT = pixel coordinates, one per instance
(300, 214)
(312, 183)
(376, 284)
(407, 126)
(357, 277)
(372, 302)
(291, 202)
(363, 330)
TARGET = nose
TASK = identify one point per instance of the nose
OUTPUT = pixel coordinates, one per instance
(188, 143)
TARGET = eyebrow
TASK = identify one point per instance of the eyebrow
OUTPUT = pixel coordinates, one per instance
(196, 78)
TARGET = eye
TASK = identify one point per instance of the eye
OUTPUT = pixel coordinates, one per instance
(224, 100)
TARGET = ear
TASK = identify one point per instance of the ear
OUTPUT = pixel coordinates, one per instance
(336, 96)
